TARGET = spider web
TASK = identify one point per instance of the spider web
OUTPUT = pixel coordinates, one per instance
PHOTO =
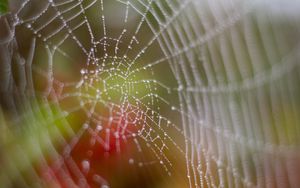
(215, 81)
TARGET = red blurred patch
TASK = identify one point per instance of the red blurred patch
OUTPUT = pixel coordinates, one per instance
(99, 152)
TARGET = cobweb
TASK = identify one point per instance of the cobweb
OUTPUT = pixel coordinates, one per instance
(215, 82)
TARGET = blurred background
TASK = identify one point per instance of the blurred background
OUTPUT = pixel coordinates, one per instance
(149, 93)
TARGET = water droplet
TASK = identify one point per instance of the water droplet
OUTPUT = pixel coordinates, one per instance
(131, 161)
(85, 126)
(82, 71)
(99, 127)
(180, 87)
(85, 166)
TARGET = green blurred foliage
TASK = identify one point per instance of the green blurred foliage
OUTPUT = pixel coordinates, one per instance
(3, 6)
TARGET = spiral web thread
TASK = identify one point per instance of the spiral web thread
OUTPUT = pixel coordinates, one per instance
(234, 81)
